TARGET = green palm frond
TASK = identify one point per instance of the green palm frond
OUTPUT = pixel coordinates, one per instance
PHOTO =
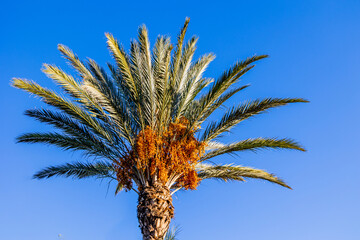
(63, 104)
(128, 75)
(123, 64)
(147, 82)
(90, 147)
(118, 108)
(195, 83)
(75, 61)
(236, 173)
(66, 81)
(253, 145)
(92, 76)
(78, 170)
(244, 111)
(185, 64)
(178, 51)
(98, 94)
(222, 99)
(62, 121)
(161, 59)
(220, 86)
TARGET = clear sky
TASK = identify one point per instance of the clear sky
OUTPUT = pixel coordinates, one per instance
(315, 54)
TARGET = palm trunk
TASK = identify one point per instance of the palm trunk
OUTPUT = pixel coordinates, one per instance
(154, 211)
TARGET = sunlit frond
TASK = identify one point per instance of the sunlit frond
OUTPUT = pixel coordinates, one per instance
(75, 61)
(63, 104)
(185, 63)
(111, 99)
(149, 99)
(212, 145)
(66, 81)
(254, 145)
(123, 64)
(221, 100)
(176, 59)
(161, 65)
(74, 88)
(221, 85)
(193, 84)
(236, 173)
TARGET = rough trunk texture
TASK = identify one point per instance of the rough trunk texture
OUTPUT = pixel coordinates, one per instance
(154, 211)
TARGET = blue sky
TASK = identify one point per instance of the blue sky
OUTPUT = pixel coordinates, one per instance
(314, 49)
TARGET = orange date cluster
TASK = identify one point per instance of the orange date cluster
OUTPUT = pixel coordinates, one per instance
(163, 156)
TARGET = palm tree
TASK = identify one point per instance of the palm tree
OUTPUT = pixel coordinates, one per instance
(142, 122)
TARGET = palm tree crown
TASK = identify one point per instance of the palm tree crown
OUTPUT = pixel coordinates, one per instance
(144, 117)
